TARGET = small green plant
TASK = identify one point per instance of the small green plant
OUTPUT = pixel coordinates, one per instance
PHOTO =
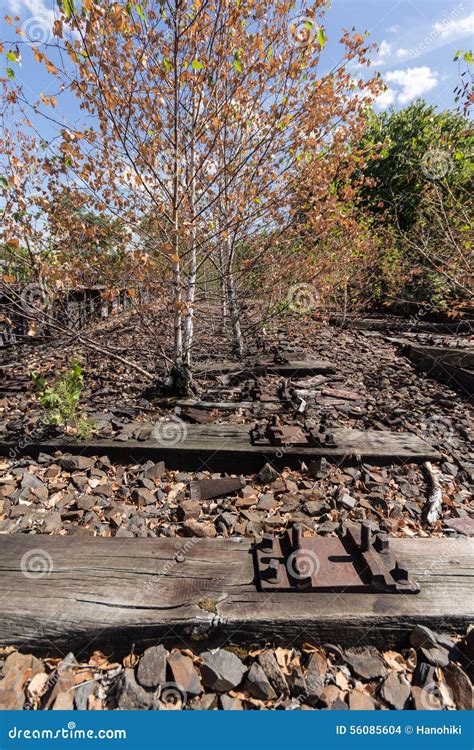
(61, 401)
(84, 428)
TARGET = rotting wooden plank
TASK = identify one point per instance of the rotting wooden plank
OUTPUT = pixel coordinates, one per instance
(294, 367)
(109, 593)
(452, 366)
(220, 405)
(205, 489)
(415, 326)
(221, 447)
(208, 405)
(459, 356)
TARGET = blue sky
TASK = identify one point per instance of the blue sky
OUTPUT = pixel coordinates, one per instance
(417, 38)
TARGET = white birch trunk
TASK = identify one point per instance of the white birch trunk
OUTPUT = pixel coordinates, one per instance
(231, 296)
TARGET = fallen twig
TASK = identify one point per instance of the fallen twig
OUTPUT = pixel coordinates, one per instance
(432, 509)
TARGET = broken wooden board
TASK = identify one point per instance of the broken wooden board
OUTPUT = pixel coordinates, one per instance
(221, 447)
(241, 371)
(62, 594)
(197, 416)
(410, 324)
(295, 367)
(217, 405)
(452, 366)
(205, 489)
(459, 356)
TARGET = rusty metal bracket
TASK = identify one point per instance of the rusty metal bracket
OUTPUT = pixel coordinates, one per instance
(274, 433)
(359, 560)
(287, 393)
(279, 356)
(280, 359)
(254, 391)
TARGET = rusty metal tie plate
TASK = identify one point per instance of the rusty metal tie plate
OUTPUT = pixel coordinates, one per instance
(274, 433)
(357, 561)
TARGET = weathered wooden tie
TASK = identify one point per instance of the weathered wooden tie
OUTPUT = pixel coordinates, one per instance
(296, 367)
(59, 594)
(228, 448)
(452, 366)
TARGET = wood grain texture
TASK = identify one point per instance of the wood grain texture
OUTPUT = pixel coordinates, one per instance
(227, 448)
(110, 593)
(293, 367)
(459, 357)
(452, 366)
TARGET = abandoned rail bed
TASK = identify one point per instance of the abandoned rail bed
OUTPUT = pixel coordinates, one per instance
(119, 591)
(218, 447)
(236, 360)
(269, 508)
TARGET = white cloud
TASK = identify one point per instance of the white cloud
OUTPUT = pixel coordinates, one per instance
(36, 19)
(387, 98)
(384, 51)
(25, 8)
(455, 27)
(422, 39)
(393, 29)
(406, 85)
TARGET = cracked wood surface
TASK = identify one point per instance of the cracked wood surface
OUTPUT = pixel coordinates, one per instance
(222, 447)
(452, 366)
(292, 368)
(109, 593)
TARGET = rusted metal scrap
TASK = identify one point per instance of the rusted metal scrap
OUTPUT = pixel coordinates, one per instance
(285, 392)
(255, 391)
(288, 394)
(273, 433)
(197, 416)
(205, 489)
(279, 358)
(359, 560)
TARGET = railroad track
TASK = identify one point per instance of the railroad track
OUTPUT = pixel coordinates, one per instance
(122, 591)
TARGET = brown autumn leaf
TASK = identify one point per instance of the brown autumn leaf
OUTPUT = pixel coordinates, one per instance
(98, 659)
(131, 660)
(82, 675)
(58, 28)
(94, 703)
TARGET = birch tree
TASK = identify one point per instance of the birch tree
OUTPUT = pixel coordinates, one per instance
(193, 120)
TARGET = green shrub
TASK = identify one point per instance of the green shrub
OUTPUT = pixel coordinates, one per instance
(61, 401)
